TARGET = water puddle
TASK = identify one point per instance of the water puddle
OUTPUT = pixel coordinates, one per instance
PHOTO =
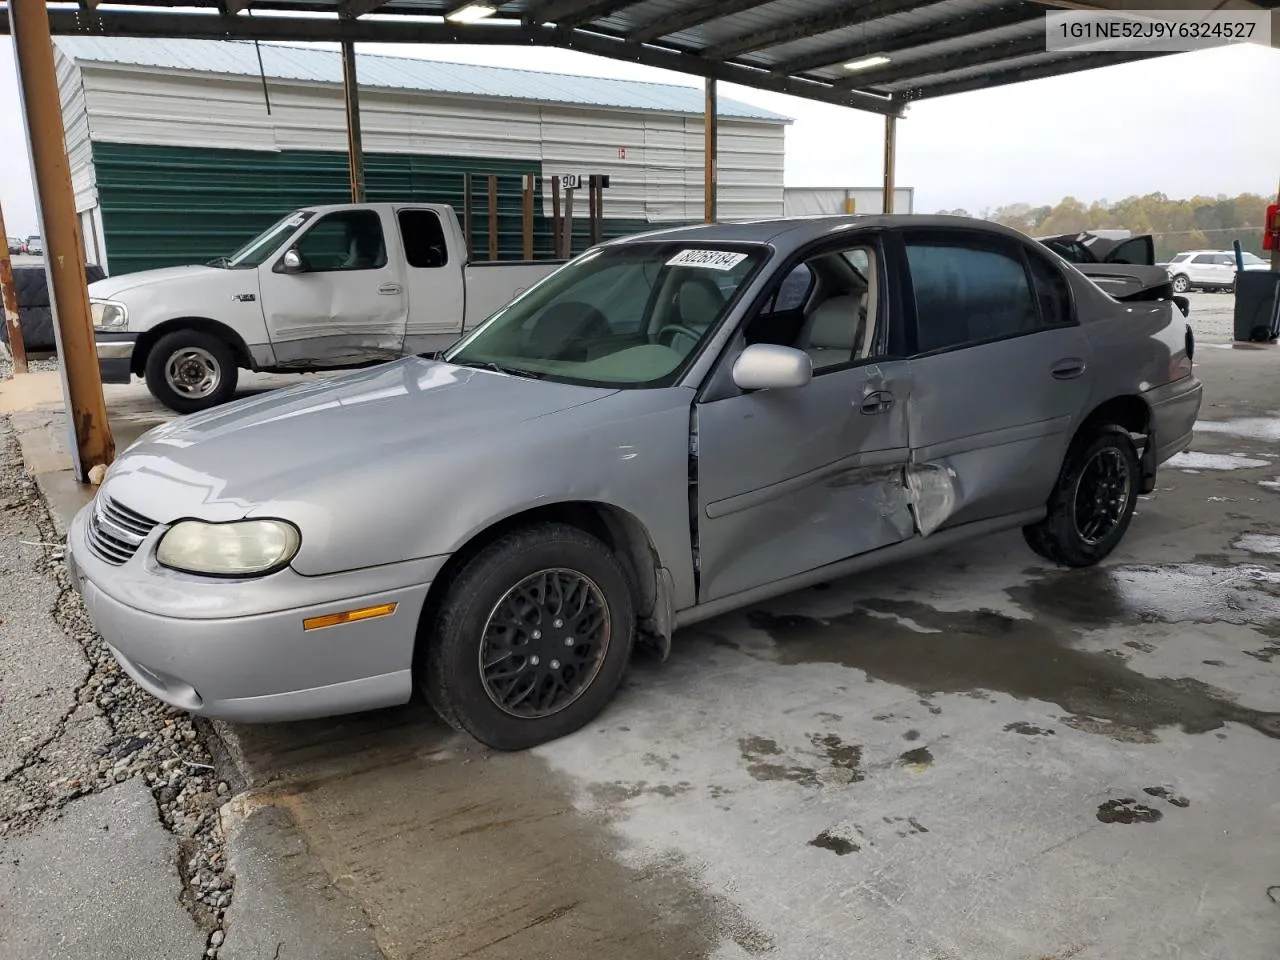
(1026, 659)
(1175, 593)
(1189, 460)
(1257, 543)
(1248, 428)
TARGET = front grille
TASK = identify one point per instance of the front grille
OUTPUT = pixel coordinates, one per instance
(115, 531)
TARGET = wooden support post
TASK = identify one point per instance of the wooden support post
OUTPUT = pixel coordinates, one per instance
(890, 159)
(355, 145)
(568, 223)
(556, 239)
(710, 147)
(591, 207)
(493, 217)
(527, 212)
(86, 408)
(12, 320)
(468, 212)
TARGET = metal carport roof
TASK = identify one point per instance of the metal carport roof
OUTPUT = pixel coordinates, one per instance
(799, 47)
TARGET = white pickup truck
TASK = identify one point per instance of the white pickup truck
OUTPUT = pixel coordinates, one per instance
(325, 288)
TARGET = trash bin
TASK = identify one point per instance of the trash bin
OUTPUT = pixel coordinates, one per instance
(1257, 318)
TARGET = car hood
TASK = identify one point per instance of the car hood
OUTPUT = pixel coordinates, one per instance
(111, 287)
(223, 463)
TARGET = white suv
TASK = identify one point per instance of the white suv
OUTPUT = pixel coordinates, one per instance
(1209, 269)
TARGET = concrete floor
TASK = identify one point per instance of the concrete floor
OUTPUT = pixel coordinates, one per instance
(973, 755)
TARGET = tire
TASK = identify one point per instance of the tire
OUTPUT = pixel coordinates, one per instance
(454, 641)
(1058, 536)
(1181, 283)
(199, 348)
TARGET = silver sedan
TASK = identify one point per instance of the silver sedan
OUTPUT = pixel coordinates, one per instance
(669, 427)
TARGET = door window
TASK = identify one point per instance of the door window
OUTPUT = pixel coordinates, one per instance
(1203, 258)
(1226, 260)
(423, 236)
(825, 306)
(1053, 295)
(969, 290)
(348, 240)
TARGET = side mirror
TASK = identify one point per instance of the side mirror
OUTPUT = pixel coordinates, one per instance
(767, 366)
(292, 262)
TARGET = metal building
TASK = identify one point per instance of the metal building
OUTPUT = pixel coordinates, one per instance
(182, 149)
(817, 201)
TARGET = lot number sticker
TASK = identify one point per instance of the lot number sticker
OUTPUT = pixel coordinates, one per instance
(711, 259)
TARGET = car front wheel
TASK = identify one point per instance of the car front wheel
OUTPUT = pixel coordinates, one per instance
(191, 370)
(532, 638)
(1181, 283)
(1093, 502)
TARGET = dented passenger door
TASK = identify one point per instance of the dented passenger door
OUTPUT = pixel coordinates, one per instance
(336, 296)
(790, 480)
(1000, 374)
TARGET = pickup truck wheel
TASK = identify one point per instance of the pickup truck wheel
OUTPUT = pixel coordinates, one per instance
(532, 638)
(1093, 501)
(1181, 283)
(190, 370)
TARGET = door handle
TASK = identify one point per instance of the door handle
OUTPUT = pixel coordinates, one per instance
(389, 289)
(1068, 369)
(878, 402)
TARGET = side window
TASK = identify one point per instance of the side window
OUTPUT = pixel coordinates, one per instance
(1053, 295)
(1226, 260)
(832, 317)
(1203, 258)
(349, 240)
(423, 236)
(1135, 252)
(969, 291)
(794, 290)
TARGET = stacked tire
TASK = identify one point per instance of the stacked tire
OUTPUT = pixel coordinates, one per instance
(34, 311)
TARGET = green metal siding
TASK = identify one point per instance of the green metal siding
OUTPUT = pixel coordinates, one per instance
(168, 206)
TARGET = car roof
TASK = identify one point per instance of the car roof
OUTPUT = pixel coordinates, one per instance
(790, 232)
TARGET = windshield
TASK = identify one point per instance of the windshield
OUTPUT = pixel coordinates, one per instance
(1250, 258)
(625, 316)
(256, 251)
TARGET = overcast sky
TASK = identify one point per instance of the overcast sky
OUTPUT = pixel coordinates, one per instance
(1202, 122)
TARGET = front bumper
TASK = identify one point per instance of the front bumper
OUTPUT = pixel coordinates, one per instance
(115, 355)
(237, 650)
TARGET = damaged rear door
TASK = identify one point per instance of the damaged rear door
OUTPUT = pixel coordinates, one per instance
(790, 480)
(345, 304)
(999, 371)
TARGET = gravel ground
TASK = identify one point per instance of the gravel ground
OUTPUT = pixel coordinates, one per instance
(111, 731)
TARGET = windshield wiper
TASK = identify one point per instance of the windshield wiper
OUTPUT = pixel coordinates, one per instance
(496, 368)
(221, 262)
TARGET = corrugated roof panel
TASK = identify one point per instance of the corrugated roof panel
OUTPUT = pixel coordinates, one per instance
(285, 62)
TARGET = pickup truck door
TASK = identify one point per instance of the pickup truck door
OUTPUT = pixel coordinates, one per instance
(792, 480)
(999, 373)
(347, 305)
(433, 280)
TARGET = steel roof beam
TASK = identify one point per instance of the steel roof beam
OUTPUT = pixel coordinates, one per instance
(208, 26)
(569, 13)
(1038, 71)
(954, 29)
(951, 62)
(358, 8)
(695, 17)
(812, 26)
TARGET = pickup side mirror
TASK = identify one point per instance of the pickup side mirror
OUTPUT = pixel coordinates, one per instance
(768, 366)
(291, 262)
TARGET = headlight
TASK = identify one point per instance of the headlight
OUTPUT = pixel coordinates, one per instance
(108, 315)
(238, 549)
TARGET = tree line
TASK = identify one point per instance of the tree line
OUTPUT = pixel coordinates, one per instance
(1195, 223)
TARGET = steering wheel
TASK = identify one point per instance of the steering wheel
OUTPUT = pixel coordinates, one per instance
(677, 330)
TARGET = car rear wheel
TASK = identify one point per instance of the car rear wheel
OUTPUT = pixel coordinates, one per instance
(532, 638)
(190, 370)
(1181, 283)
(1093, 502)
